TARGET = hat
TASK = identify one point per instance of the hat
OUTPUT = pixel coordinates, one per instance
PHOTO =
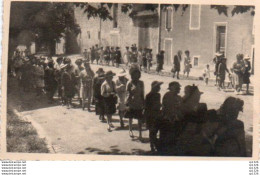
(246, 57)
(156, 83)
(100, 70)
(78, 61)
(67, 60)
(218, 54)
(127, 47)
(162, 51)
(122, 73)
(62, 66)
(174, 83)
(59, 59)
(110, 74)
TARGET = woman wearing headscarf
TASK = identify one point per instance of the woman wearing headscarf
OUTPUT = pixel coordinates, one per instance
(108, 91)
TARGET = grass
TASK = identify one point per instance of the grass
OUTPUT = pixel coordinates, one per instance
(22, 137)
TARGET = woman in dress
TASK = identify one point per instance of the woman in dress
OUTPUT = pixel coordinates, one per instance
(99, 100)
(238, 67)
(135, 100)
(121, 93)
(187, 64)
(246, 73)
(108, 91)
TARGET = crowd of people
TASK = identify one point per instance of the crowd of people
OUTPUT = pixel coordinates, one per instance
(177, 126)
(238, 74)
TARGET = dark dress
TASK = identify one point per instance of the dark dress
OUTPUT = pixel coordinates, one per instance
(118, 57)
(99, 100)
(144, 60)
(176, 64)
(160, 62)
(68, 82)
(246, 74)
(109, 100)
(50, 81)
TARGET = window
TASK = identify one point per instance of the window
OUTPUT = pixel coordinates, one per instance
(88, 34)
(169, 19)
(115, 16)
(195, 11)
(196, 61)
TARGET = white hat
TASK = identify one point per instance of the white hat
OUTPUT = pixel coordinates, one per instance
(246, 57)
(122, 73)
(218, 54)
(62, 66)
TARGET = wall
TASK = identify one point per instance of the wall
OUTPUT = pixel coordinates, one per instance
(201, 42)
(127, 32)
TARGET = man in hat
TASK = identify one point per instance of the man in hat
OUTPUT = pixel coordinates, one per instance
(217, 61)
(246, 72)
(98, 98)
(86, 81)
(92, 54)
(177, 64)
(153, 111)
(222, 69)
(121, 94)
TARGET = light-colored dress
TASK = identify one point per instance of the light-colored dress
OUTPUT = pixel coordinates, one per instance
(121, 93)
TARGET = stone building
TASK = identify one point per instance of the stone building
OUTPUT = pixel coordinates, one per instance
(203, 32)
(141, 29)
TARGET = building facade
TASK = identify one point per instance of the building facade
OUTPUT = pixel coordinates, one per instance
(122, 31)
(203, 32)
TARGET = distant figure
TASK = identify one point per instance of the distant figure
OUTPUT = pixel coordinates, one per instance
(97, 56)
(222, 69)
(93, 54)
(187, 63)
(160, 61)
(149, 57)
(238, 68)
(246, 73)
(118, 56)
(113, 56)
(140, 57)
(78, 69)
(206, 74)
(176, 64)
(101, 54)
(217, 61)
(127, 56)
(107, 55)
(85, 54)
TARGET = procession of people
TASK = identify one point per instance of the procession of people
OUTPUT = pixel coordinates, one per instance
(171, 124)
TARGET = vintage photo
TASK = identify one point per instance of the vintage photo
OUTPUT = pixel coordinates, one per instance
(98, 78)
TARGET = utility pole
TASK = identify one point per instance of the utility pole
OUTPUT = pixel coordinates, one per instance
(159, 25)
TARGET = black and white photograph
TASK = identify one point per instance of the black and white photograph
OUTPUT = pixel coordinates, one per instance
(130, 79)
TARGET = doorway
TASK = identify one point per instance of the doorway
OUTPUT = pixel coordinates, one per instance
(168, 51)
(220, 37)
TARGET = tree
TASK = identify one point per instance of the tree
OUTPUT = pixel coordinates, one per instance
(102, 10)
(46, 22)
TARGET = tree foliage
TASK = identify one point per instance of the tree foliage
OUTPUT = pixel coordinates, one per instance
(46, 21)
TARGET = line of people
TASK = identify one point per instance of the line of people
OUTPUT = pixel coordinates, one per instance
(185, 126)
(238, 74)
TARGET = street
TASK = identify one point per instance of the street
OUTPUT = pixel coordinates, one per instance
(80, 132)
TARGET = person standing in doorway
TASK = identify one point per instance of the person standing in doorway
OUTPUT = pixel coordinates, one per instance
(217, 61)
(222, 69)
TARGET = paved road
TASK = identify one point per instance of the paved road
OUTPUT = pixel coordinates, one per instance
(77, 131)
